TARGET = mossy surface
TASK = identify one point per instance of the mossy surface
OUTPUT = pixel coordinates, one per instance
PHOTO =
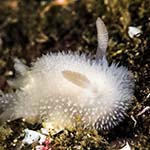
(30, 29)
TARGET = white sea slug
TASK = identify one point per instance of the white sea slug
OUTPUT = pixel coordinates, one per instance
(60, 87)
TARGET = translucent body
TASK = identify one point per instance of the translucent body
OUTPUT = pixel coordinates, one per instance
(102, 94)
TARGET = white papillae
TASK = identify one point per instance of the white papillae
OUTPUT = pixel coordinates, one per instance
(44, 92)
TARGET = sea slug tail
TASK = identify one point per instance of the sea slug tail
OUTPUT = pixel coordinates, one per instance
(7, 102)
